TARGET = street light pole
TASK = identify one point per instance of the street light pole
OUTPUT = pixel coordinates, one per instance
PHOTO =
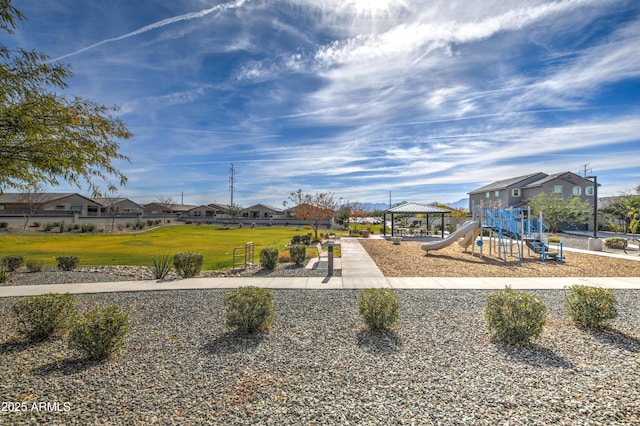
(595, 205)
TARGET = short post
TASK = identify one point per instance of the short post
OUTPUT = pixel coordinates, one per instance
(330, 259)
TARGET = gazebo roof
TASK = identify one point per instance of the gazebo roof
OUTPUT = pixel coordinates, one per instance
(416, 208)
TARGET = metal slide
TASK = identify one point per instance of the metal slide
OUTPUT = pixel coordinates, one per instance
(464, 235)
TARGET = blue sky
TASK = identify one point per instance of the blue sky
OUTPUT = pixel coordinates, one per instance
(426, 99)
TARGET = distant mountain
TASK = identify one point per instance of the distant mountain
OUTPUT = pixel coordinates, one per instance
(462, 203)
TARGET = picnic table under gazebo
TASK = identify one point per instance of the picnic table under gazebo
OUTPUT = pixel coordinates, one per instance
(412, 208)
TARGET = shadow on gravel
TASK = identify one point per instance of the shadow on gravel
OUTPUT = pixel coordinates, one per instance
(379, 342)
(66, 367)
(534, 355)
(16, 344)
(617, 338)
(232, 342)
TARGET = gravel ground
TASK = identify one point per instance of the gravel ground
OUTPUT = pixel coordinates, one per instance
(409, 260)
(319, 365)
(98, 274)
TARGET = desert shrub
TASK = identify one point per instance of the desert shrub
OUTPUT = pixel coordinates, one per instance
(87, 227)
(67, 263)
(298, 253)
(249, 309)
(35, 265)
(36, 224)
(188, 263)
(12, 263)
(269, 258)
(616, 243)
(160, 266)
(40, 317)
(301, 239)
(591, 307)
(514, 317)
(5, 274)
(554, 239)
(379, 308)
(99, 332)
(4, 225)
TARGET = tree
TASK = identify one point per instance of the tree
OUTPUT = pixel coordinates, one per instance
(620, 208)
(31, 199)
(557, 210)
(234, 210)
(45, 137)
(294, 201)
(314, 208)
(167, 204)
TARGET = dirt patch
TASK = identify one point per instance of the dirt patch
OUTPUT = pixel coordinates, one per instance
(409, 260)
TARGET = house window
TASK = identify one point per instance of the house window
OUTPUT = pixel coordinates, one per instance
(577, 190)
(487, 195)
(515, 192)
(589, 191)
(60, 207)
(497, 193)
(557, 189)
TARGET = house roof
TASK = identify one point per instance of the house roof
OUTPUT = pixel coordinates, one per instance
(506, 183)
(264, 206)
(416, 208)
(219, 207)
(568, 176)
(114, 200)
(38, 197)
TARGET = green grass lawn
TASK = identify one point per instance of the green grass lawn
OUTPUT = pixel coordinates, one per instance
(215, 244)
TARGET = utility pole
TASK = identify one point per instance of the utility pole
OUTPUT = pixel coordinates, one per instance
(585, 169)
(231, 182)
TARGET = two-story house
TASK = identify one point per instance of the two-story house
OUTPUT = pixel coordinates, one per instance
(517, 191)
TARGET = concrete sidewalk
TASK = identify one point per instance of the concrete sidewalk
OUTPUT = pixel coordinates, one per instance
(358, 271)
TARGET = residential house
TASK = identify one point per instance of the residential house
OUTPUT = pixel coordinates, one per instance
(201, 212)
(262, 211)
(119, 207)
(161, 209)
(517, 191)
(53, 204)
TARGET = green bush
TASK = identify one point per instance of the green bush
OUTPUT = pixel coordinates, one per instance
(87, 227)
(4, 225)
(298, 253)
(301, 239)
(379, 308)
(514, 317)
(12, 263)
(248, 309)
(5, 274)
(591, 307)
(42, 316)
(67, 263)
(616, 243)
(188, 263)
(269, 258)
(99, 332)
(160, 266)
(35, 265)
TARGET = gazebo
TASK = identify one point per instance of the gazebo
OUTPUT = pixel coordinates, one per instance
(413, 208)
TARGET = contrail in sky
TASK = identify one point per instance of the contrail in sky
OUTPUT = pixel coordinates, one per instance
(159, 24)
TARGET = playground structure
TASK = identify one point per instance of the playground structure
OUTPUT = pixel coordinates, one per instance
(509, 232)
